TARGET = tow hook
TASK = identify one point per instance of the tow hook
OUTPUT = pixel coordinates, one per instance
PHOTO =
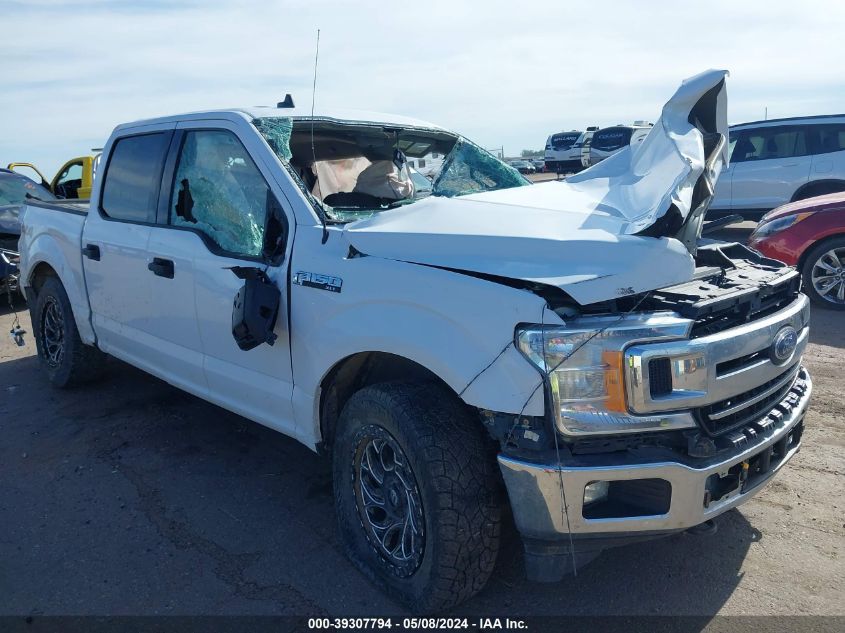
(708, 527)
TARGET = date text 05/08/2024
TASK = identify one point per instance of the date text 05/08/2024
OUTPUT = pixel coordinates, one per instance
(409, 624)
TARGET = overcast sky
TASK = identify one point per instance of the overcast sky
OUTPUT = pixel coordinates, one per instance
(502, 73)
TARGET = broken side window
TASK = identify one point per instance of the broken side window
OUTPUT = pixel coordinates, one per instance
(218, 190)
(471, 169)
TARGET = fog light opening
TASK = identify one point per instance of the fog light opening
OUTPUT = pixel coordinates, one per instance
(619, 499)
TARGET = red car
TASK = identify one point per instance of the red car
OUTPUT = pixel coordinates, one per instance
(809, 234)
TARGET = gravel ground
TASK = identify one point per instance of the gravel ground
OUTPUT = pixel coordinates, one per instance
(131, 497)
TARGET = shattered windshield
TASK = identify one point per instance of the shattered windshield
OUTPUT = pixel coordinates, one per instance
(471, 169)
(353, 170)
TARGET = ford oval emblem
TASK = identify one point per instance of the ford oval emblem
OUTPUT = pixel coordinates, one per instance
(786, 340)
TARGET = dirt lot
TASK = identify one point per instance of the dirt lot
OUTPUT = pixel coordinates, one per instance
(131, 497)
(542, 177)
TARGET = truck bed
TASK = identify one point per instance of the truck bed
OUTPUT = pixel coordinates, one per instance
(68, 206)
(53, 240)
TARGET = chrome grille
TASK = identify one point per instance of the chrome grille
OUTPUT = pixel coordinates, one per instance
(748, 407)
(710, 370)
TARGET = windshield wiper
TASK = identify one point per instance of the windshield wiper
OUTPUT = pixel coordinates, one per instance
(398, 203)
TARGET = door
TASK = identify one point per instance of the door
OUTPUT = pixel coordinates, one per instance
(829, 155)
(769, 165)
(218, 206)
(68, 181)
(114, 247)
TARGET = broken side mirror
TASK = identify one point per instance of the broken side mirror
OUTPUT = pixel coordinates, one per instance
(255, 309)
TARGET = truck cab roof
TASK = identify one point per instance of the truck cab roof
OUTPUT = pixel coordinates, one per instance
(260, 112)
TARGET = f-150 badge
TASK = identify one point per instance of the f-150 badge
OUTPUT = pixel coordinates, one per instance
(315, 280)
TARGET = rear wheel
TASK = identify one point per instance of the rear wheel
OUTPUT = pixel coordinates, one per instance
(418, 494)
(66, 359)
(824, 273)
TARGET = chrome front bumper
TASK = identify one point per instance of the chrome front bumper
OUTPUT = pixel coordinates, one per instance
(538, 500)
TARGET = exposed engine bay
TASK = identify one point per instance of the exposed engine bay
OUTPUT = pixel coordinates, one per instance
(732, 285)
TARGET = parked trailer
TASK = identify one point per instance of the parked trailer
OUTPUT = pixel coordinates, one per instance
(609, 140)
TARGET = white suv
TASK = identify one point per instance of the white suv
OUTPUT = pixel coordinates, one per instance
(781, 160)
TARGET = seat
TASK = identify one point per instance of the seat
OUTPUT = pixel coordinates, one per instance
(772, 150)
(744, 149)
(829, 144)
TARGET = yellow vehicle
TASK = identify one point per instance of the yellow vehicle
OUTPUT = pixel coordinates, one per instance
(73, 180)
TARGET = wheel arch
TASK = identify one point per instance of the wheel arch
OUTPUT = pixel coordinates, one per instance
(359, 370)
(836, 184)
(802, 259)
(38, 275)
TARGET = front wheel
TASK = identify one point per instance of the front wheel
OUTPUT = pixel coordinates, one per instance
(418, 494)
(824, 274)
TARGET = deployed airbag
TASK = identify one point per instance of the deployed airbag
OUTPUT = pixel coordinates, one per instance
(383, 180)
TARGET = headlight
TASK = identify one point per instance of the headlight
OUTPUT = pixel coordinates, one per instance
(767, 228)
(584, 363)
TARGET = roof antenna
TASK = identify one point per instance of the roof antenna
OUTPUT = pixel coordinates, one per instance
(313, 150)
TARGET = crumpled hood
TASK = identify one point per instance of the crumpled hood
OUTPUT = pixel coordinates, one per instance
(581, 253)
(624, 226)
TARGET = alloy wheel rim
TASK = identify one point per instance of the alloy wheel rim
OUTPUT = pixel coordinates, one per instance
(828, 276)
(52, 332)
(389, 503)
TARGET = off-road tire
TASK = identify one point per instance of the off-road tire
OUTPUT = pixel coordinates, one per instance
(78, 363)
(837, 243)
(453, 462)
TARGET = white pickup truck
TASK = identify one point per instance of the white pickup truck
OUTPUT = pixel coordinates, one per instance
(573, 350)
